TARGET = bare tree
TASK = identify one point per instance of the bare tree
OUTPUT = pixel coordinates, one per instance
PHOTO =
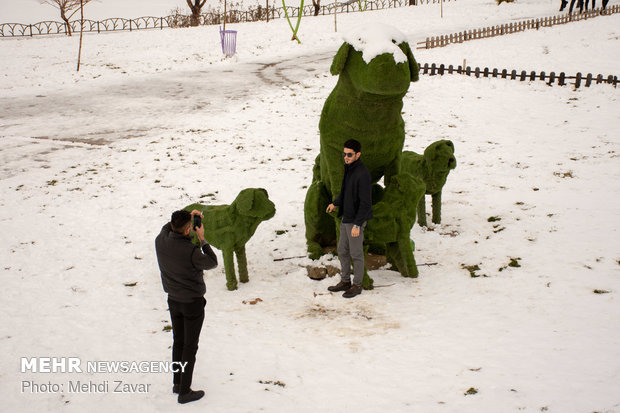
(196, 7)
(67, 9)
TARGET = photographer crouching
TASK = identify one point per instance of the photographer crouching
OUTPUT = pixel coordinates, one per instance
(181, 264)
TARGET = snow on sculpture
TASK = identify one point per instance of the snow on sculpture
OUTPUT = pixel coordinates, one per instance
(433, 168)
(375, 67)
(229, 227)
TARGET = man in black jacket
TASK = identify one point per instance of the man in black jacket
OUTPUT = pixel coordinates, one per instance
(355, 207)
(181, 264)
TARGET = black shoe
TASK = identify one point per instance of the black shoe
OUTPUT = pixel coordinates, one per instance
(175, 389)
(192, 396)
(353, 291)
(341, 286)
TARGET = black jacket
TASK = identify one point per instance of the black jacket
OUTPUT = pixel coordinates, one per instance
(355, 199)
(181, 264)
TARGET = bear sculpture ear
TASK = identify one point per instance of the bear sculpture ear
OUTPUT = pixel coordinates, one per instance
(254, 202)
(340, 59)
(414, 68)
(245, 201)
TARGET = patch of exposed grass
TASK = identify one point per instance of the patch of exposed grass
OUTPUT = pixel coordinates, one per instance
(472, 270)
(470, 391)
(514, 263)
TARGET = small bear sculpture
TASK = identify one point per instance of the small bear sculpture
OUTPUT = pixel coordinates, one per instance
(229, 227)
(433, 168)
(394, 216)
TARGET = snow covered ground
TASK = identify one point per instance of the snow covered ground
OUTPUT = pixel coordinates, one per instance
(93, 163)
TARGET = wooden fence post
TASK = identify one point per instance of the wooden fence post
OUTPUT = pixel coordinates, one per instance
(551, 78)
(513, 75)
(561, 79)
(578, 80)
(589, 80)
(542, 76)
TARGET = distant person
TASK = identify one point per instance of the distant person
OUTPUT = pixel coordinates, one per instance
(572, 4)
(355, 207)
(181, 264)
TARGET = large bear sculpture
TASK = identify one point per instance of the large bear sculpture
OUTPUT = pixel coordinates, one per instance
(375, 67)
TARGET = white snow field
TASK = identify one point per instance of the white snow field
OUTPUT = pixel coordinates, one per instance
(92, 163)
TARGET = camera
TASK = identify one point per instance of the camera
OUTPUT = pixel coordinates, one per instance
(197, 222)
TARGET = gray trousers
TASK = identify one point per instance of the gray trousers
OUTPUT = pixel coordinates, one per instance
(351, 249)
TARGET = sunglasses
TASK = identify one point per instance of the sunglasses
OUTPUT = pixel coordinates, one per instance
(348, 154)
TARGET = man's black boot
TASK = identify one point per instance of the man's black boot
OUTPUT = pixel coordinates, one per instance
(353, 291)
(192, 396)
(341, 286)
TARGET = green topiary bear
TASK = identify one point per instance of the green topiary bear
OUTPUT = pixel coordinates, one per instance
(229, 227)
(394, 217)
(433, 168)
(365, 105)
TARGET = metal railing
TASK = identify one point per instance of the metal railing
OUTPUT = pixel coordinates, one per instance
(212, 18)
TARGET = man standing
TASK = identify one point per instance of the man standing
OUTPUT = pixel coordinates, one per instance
(355, 207)
(181, 264)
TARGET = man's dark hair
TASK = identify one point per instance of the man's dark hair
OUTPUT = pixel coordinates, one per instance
(354, 145)
(179, 220)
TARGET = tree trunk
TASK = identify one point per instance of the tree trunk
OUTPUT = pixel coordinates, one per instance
(196, 8)
(66, 20)
(81, 33)
(194, 20)
(317, 6)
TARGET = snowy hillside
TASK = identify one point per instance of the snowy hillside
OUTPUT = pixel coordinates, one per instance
(92, 163)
